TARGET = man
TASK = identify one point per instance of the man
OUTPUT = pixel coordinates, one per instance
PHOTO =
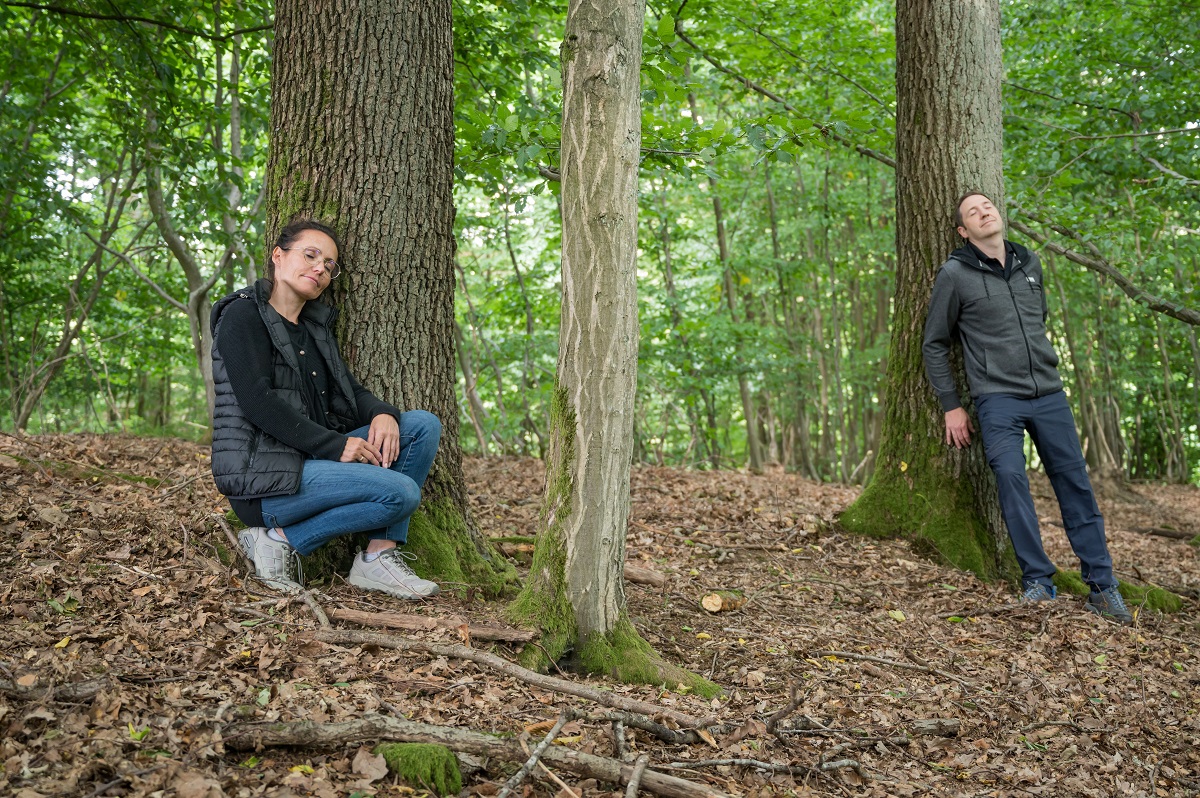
(989, 295)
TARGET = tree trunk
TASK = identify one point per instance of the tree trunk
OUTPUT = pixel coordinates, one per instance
(575, 590)
(948, 140)
(362, 138)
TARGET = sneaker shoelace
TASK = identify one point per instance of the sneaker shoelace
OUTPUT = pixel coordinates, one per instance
(293, 567)
(1114, 599)
(399, 560)
(1035, 591)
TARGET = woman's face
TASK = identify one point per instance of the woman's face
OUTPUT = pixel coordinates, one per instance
(303, 267)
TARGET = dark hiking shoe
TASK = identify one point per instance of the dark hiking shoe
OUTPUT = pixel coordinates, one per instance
(1035, 591)
(1109, 604)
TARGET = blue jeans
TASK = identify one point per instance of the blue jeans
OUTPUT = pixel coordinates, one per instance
(1003, 421)
(338, 499)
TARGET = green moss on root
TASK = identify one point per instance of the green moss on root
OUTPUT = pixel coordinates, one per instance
(431, 767)
(624, 656)
(543, 602)
(439, 537)
(1195, 542)
(1145, 597)
(938, 513)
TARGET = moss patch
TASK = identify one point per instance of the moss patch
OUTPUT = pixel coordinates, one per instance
(445, 551)
(543, 602)
(1142, 597)
(937, 512)
(431, 767)
(623, 655)
(1195, 542)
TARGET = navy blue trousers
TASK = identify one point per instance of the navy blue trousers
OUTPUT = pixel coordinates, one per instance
(1003, 421)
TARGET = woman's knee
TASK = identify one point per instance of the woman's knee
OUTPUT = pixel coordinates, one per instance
(422, 422)
(402, 498)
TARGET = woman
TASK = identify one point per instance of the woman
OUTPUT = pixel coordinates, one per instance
(304, 452)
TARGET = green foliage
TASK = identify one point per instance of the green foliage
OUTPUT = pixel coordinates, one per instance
(430, 767)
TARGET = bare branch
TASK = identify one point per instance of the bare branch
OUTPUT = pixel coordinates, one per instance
(825, 130)
(1143, 134)
(1166, 170)
(68, 12)
(1098, 264)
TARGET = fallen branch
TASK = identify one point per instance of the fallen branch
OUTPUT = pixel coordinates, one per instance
(515, 780)
(398, 620)
(635, 781)
(315, 607)
(661, 732)
(602, 697)
(74, 693)
(1162, 532)
(248, 736)
(644, 576)
(894, 664)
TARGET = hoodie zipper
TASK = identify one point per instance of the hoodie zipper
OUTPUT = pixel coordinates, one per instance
(1024, 334)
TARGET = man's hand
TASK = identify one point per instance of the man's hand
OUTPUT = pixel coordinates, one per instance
(958, 428)
(384, 435)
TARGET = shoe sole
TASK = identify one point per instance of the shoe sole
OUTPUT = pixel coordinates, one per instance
(391, 590)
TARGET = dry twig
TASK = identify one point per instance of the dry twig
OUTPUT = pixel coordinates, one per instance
(515, 780)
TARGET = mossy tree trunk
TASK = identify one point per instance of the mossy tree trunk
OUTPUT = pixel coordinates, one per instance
(362, 138)
(948, 140)
(575, 591)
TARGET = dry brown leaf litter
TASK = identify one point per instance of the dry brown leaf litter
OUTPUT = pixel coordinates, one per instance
(109, 577)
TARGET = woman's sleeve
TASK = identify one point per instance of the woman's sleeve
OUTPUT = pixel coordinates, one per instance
(245, 347)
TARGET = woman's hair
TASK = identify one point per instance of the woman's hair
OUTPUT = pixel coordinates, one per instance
(291, 231)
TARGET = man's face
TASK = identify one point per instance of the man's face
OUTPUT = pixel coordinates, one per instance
(980, 219)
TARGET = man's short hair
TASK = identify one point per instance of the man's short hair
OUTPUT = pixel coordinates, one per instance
(958, 220)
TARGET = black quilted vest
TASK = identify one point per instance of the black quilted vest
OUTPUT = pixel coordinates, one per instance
(247, 463)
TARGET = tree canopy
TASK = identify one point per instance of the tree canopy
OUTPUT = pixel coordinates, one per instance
(784, 110)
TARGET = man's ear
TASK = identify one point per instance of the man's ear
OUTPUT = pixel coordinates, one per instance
(962, 233)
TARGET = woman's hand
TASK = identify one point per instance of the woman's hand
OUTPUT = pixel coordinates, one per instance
(384, 435)
(359, 451)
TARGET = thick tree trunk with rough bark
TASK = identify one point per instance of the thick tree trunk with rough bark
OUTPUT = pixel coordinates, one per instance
(362, 138)
(575, 591)
(948, 140)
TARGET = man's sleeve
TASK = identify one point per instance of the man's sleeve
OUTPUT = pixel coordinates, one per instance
(245, 347)
(940, 332)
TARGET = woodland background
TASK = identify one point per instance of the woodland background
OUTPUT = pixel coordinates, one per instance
(138, 657)
(1102, 154)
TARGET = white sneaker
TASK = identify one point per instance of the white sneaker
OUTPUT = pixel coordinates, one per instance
(389, 573)
(276, 563)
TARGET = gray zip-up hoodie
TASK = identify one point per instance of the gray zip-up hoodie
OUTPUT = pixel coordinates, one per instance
(1001, 323)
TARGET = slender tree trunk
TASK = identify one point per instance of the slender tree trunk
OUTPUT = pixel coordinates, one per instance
(478, 413)
(701, 436)
(575, 590)
(948, 140)
(362, 137)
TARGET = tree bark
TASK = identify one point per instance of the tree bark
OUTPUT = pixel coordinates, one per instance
(362, 138)
(948, 140)
(592, 420)
(575, 591)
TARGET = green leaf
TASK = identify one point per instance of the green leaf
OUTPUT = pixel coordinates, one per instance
(666, 29)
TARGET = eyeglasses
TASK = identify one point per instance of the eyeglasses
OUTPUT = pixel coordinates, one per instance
(312, 256)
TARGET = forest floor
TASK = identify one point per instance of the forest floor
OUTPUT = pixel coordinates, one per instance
(908, 678)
